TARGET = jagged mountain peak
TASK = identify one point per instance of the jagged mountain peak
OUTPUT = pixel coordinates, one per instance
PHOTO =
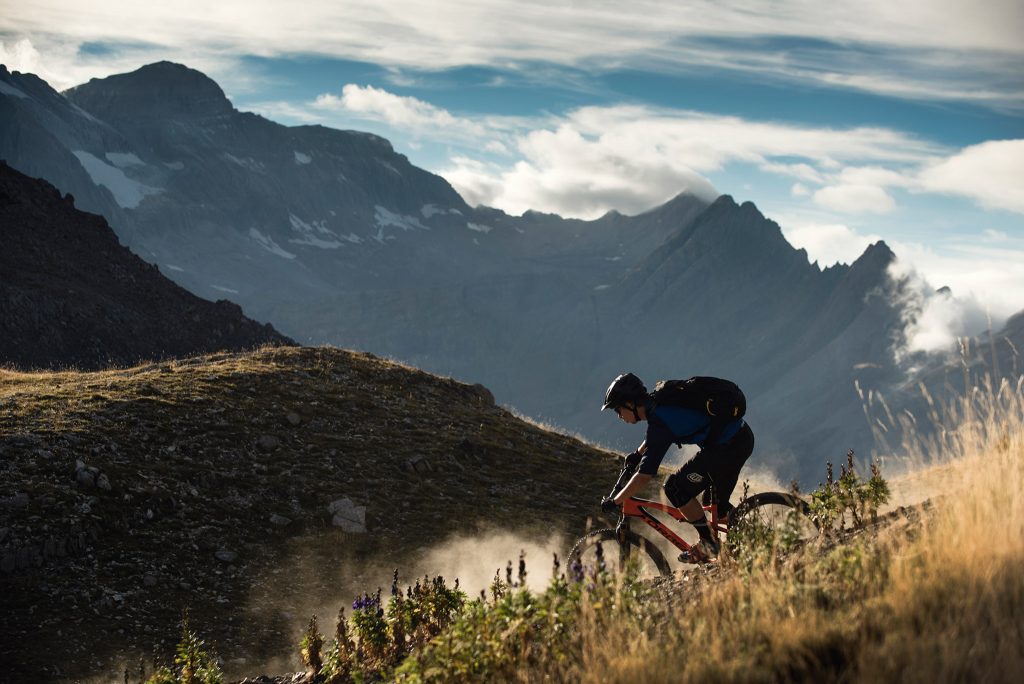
(163, 90)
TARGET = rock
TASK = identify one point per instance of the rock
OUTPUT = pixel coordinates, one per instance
(293, 419)
(418, 464)
(347, 515)
(150, 579)
(225, 555)
(4, 531)
(268, 442)
(279, 520)
(8, 562)
(485, 395)
(103, 482)
(85, 479)
(19, 500)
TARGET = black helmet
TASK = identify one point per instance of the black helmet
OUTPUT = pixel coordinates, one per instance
(626, 387)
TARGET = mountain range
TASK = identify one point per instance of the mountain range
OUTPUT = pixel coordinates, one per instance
(336, 238)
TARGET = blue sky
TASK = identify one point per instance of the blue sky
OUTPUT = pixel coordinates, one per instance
(900, 121)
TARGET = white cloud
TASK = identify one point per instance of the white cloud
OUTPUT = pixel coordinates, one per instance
(855, 198)
(828, 243)
(943, 49)
(991, 173)
(631, 158)
(993, 274)
(407, 113)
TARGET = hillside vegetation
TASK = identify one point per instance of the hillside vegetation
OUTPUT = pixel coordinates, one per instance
(130, 494)
(929, 594)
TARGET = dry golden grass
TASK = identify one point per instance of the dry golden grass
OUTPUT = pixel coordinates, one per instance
(942, 601)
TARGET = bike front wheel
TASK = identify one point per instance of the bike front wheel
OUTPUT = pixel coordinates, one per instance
(623, 551)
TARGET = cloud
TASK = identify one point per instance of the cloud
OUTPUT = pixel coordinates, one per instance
(935, 319)
(855, 198)
(631, 158)
(991, 173)
(943, 49)
(828, 243)
(402, 112)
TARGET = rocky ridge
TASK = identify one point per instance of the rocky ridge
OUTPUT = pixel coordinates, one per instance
(71, 295)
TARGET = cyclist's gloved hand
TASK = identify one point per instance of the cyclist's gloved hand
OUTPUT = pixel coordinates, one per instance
(608, 505)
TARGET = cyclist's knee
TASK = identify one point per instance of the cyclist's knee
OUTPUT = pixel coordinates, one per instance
(681, 488)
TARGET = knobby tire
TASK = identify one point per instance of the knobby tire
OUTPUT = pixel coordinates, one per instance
(610, 539)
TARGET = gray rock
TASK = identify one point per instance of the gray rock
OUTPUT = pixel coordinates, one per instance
(225, 555)
(268, 442)
(86, 477)
(485, 395)
(103, 482)
(347, 515)
(293, 419)
(8, 562)
(279, 520)
(4, 531)
(150, 579)
(418, 464)
(19, 500)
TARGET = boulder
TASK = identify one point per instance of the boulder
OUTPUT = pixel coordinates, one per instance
(347, 515)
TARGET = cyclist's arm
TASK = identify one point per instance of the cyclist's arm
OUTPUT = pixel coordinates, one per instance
(652, 451)
(635, 484)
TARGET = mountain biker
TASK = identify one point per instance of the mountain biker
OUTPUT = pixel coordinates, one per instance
(724, 445)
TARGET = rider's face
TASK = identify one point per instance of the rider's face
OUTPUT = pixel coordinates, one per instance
(626, 414)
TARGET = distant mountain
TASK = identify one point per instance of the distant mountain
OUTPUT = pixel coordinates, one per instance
(336, 238)
(71, 295)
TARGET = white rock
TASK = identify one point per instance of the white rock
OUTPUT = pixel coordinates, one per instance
(347, 515)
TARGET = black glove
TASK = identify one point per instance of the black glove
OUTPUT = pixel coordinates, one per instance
(608, 505)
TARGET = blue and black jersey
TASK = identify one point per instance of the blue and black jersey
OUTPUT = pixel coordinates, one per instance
(668, 425)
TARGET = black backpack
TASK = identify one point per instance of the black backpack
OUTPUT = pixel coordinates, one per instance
(720, 399)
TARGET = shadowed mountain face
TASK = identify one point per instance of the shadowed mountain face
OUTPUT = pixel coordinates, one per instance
(71, 295)
(336, 238)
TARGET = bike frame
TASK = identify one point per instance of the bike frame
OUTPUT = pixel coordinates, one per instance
(635, 507)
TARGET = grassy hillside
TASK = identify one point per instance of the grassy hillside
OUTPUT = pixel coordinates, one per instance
(206, 483)
(932, 593)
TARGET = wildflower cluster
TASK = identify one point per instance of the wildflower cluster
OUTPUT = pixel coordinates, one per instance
(520, 631)
(849, 495)
(379, 636)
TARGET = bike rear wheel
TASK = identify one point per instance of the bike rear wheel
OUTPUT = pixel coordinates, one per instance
(621, 551)
(775, 518)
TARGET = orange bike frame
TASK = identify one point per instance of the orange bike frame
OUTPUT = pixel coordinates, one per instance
(634, 507)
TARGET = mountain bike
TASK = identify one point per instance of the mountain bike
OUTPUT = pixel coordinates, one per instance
(773, 512)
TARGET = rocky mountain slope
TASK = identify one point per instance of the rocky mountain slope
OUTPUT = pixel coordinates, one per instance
(336, 238)
(245, 487)
(71, 295)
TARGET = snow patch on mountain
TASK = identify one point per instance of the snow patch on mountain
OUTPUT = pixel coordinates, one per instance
(124, 159)
(385, 217)
(172, 267)
(221, 288)
(389, 167)
(301, 158)
(267, 243)
(479, 227)
(175, 166)
(7, 89)
(247, 163)
(309, 231)
(127, 193)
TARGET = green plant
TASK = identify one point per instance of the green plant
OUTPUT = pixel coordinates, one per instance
(833, 500)
(193, 663)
